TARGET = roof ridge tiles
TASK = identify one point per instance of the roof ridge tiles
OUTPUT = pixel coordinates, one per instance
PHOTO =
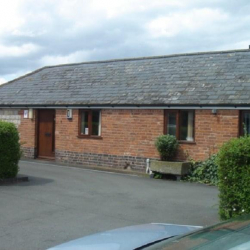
(150, 57)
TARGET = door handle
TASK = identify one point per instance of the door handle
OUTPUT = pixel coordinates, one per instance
(47, 134)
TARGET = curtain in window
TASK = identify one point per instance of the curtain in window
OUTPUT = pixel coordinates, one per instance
(246, 123)
(186, 125)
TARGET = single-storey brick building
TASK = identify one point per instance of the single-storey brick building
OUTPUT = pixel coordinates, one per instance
(109, 113)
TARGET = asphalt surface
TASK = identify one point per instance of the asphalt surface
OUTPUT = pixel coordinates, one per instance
(62, 203)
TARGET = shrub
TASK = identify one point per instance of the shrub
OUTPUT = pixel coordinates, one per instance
(10, 152)
(167, 146)
(234, 177)
(204, 171)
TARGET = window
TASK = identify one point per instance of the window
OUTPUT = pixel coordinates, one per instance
(180, 123)
(245, 122)
(89, 123)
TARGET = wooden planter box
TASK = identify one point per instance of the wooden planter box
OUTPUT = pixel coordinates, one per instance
(170, 167)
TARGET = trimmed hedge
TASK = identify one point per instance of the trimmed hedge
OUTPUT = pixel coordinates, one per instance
(167, 146)
(10, 151)
(234, 177)
(204, 171)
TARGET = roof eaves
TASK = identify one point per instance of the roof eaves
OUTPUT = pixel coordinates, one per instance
(130, 106)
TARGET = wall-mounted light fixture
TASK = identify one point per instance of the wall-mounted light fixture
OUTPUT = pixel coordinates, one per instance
(69, 114)
(31, 113)
(214, 111)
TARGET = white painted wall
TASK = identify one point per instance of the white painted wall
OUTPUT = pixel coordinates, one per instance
(10, 115)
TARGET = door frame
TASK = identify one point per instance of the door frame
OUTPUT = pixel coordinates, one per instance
(37, 135)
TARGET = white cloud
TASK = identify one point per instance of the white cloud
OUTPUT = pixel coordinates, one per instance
(242, 44)
(2, 80)
(17, 51)
(10, 16)
(114, 8)
(189, 21)
(77, 56)
(28, 33)
(34, 34)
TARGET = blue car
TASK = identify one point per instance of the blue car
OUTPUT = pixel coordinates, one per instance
(233, 234)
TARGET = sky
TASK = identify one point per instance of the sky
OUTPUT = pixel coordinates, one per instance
(34, 34)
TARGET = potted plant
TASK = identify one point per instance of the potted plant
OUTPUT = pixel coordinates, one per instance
(167, 146)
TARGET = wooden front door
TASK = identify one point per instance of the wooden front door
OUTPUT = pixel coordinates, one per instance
(46, 133)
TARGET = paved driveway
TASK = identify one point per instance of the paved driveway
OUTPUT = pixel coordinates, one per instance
(62, 203)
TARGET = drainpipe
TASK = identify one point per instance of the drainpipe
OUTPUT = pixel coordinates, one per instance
(148, 171)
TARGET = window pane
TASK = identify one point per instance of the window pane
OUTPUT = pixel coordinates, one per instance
(85, 123)
(171, 126)
(186, 125)
(246, 123)
(95, 122)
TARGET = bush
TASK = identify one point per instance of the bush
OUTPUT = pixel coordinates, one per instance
(204, 171)
(10, 152)
(167, 146)
(234, 177)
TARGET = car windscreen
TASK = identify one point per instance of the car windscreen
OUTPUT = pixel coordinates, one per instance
(234, 235)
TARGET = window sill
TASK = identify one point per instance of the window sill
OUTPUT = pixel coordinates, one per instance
(187, 142)
(89, 137)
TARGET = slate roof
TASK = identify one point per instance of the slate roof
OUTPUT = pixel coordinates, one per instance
(210, 78)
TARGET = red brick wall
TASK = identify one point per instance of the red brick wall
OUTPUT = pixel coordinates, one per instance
(211, 131)
(133, 132)
(124, 133)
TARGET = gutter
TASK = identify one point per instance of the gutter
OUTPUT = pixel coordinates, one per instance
(187, 107)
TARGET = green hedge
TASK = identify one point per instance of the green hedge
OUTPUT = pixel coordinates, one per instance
(234, 177)
(204, 171)
(167, 146)
(10, 152)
